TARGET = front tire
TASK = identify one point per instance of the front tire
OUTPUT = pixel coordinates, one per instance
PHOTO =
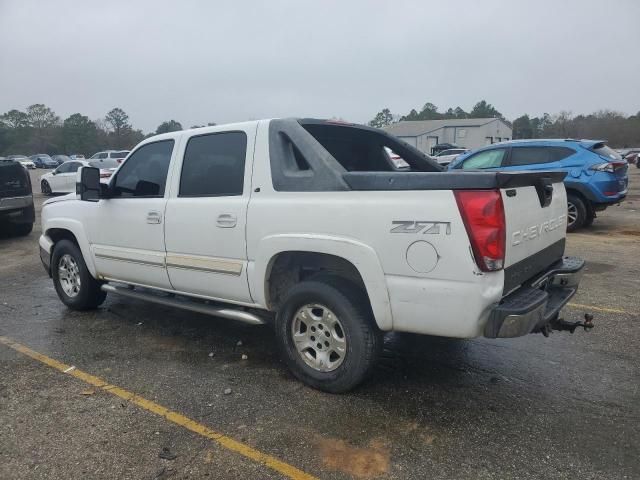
(45, 187)
(576, 213)
(75, 286)
(327, 335)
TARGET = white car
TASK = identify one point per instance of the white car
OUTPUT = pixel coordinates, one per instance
(445, 157)
(26, 162)
(63, 178)
(118, 155)
(307, 225)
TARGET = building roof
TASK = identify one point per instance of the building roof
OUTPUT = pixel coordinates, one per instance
(420, 127)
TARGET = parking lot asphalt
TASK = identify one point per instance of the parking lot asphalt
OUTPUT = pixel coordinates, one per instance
(567, 406)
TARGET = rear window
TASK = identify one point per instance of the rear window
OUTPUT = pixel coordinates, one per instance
(363, 150)
(106, 163)
(604, 151)
(14, 179)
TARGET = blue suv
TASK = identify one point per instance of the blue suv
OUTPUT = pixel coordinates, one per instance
(596, 175)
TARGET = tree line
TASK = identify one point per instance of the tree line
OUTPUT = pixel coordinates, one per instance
(39, 130)
(617, 128)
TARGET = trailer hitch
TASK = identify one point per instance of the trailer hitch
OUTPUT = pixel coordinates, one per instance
(562, 325)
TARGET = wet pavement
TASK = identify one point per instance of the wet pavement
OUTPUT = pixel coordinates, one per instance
(567, 406)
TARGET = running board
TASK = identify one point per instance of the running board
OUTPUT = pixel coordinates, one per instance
(186, 304)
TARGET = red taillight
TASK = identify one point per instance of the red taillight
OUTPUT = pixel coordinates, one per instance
(483, 216)
(105, 174)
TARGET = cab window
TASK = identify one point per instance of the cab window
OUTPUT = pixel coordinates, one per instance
(144, 174)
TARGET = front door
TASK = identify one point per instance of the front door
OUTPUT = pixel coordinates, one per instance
(205, 217)
(127, 230)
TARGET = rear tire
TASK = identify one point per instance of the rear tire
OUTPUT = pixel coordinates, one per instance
(74, 284)
(22, 229)
(327, 334)
(576, 213)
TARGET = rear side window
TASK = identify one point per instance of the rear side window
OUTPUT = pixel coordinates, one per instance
(144, 174)
(529, 155)
(213, 165)
(486, 159)
(560, 153)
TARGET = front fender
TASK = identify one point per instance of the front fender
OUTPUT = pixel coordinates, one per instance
(78, 231)
(362, 256)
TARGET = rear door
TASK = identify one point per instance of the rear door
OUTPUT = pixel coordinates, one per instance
(206, 215)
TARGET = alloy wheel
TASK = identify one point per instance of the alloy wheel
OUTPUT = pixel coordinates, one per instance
(69, 275)
(319, 337)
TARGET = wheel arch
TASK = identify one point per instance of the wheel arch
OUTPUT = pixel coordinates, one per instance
(348, 258)
(73, 231)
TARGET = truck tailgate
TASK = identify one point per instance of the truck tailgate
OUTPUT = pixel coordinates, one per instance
(535, 218)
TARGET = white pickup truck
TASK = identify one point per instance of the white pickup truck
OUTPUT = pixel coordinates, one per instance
(309, 225)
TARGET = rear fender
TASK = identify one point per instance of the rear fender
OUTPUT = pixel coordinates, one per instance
(360, 255)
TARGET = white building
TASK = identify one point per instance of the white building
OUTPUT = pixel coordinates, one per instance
(464, 132)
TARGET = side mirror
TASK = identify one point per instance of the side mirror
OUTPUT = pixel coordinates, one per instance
(88, 184)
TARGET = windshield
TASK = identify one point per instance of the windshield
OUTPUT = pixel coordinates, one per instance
(104, 163)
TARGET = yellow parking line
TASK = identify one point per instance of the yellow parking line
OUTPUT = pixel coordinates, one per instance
(227, 442)
(597, 309)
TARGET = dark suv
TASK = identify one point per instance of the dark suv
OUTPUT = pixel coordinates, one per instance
(16, 200)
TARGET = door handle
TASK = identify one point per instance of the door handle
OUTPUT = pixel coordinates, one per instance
(226, 220)
(154, 217)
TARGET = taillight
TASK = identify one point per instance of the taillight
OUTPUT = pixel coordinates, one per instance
(483, 216)
(105, 174)
(609, 167)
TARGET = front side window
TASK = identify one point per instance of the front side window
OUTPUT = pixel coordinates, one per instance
(144, 174)
(487, 159)
(64, 168)
(213, 165)
(74, 166)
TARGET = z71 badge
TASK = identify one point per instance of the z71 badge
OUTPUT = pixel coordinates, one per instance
(425, 226)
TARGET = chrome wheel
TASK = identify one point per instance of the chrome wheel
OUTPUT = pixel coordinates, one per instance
(572, 214)
(319, 337)
(69, 275)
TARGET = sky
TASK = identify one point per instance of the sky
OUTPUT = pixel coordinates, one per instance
(226, 61)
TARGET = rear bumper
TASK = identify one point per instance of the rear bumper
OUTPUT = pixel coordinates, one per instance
(17, 209)
(535, 304)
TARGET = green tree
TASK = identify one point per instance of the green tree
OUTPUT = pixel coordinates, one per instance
(118, 122)
(482, 109)
(14, 119)
(170, 126)
(382, 119)
(460, 113)
(522, 127)
(79, 135)
(429, 112)
(43, 122)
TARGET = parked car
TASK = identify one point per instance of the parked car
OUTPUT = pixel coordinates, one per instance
(26, 162)
(118, 155)
(16, 200)
(308, 225)
(632, 155)
(445, 157)
(76, 156)
(597, 176)
(42, 160)
(63, 178)
(60, 159)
